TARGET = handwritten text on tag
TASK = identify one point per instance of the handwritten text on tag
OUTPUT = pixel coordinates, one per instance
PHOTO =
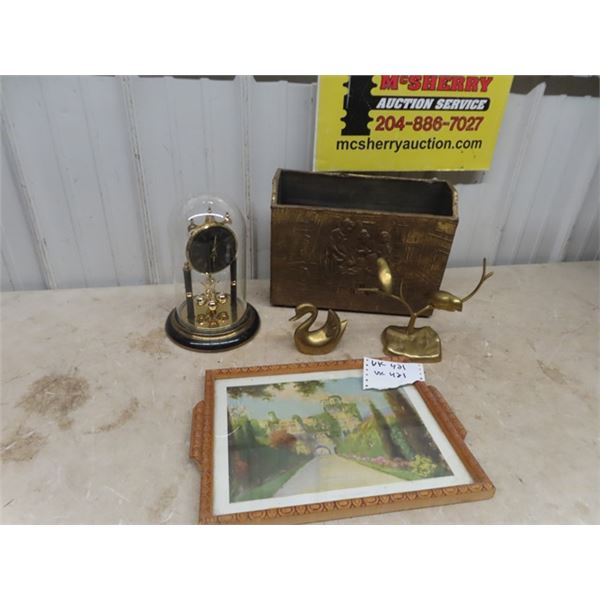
(383, 374)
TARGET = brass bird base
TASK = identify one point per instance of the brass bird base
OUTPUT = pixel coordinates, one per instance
(422, 344)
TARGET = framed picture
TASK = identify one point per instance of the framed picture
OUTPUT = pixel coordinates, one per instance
(304, 442)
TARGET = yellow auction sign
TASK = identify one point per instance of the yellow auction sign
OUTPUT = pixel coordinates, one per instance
(408, 122)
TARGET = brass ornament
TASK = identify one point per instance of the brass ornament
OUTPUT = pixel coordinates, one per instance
(318, 341)
(419, 344)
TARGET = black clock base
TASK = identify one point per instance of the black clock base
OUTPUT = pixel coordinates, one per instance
(182, 335)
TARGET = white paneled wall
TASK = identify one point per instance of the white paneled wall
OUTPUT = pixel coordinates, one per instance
(93, 166)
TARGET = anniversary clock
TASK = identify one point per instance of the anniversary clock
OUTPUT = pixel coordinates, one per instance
(213, 314)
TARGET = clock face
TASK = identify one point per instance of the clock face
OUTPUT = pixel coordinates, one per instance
(211, 249)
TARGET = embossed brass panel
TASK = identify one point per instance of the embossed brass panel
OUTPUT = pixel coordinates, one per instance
(327, 230)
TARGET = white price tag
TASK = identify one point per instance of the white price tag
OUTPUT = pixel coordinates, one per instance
(383, 374)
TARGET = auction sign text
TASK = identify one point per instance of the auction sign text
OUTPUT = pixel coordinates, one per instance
(408, 122)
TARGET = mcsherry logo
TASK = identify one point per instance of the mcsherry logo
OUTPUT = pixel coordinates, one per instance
(359, 100)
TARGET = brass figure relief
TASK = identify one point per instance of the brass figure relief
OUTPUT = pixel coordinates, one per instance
(317, 341)
(420, 344)
(340, 255)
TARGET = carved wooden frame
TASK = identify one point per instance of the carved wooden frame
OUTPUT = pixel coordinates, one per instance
(202, 448)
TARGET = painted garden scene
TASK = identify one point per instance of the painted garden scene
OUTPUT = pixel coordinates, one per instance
(303, 437)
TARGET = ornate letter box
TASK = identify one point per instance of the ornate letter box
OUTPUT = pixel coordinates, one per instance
(328, 229)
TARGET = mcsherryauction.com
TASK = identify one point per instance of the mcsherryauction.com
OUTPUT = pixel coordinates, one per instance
(431, 143)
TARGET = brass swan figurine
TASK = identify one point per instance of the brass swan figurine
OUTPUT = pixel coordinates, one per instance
(319, 341)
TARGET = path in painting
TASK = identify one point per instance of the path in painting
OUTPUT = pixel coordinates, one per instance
(332, 472)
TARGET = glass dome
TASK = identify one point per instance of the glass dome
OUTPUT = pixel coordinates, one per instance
(208, 238)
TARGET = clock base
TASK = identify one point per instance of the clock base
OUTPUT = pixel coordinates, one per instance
(205, 341)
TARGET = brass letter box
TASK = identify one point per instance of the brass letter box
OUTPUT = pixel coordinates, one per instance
(328, 229)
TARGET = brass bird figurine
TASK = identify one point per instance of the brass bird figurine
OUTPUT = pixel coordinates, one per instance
(319, 341)
(417, 343)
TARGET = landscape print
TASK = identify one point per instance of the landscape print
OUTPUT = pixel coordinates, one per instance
(314, 436)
